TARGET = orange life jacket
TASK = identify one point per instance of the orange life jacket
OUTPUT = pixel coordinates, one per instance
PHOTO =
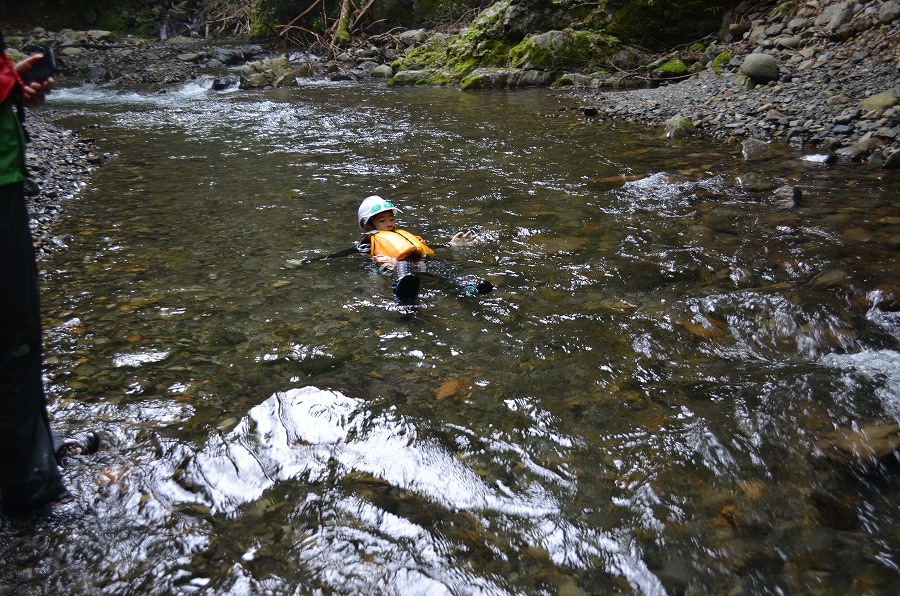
(399, 245)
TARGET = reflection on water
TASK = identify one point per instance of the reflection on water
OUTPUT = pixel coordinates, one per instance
(635, 408)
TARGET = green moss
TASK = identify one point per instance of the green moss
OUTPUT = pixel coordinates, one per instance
(596, 21)
(472, 82)
(260, 25)
(672, 68)
(342, 35)
(437, 80)
(463, 67)
(493, 53)
(431, 55)
(697, 47)
(527, 53)
(721, 60)
(561, 49)
(631, 22)
(562, 82)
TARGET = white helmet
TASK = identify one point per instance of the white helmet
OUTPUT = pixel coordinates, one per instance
(372, 206)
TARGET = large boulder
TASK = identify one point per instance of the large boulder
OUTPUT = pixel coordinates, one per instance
(556, 50)
(836, 15)
(888, 12)
(504, 78)
(411, 77)
(760, 68)
(227, 56)
(276, 72)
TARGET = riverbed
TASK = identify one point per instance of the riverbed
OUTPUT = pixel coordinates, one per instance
(635, 408)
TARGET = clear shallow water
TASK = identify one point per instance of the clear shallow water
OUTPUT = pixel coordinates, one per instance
(635, 409)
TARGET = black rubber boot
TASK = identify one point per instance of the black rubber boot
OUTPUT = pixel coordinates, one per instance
(484, 286)
(406, 283)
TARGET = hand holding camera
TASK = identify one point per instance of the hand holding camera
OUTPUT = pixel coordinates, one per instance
(37, 72)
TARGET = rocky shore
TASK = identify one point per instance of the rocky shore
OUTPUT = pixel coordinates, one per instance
(59, 164)
(824, 76)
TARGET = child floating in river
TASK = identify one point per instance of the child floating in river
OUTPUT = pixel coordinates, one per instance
(405, 255)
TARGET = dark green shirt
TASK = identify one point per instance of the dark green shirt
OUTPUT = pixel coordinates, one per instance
(12, 146)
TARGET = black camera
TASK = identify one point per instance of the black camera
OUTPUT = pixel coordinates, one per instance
(43, 69)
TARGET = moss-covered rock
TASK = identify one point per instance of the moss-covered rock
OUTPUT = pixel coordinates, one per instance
(678, 127)
(432, 54)
(511, 34)
(276, 72)
(555, 50)
(504, 78)
(411, 77)
(672, 68)
(720, 61)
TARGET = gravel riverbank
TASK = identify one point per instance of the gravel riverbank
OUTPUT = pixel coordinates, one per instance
(59, 165)
(833, 86)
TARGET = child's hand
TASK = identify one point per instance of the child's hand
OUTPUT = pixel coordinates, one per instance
(463, 239)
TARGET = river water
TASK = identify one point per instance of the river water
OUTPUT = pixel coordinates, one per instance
(635, 408)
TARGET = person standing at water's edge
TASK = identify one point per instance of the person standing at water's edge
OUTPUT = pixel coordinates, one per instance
(29, 475)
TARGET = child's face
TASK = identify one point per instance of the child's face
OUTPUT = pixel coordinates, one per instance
(384, 222)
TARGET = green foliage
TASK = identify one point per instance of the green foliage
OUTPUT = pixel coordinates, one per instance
(111, 22)
(267, 15)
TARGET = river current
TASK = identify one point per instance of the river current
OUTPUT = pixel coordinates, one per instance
(634, 409)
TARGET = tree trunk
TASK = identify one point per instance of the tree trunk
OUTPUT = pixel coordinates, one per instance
(342, 30)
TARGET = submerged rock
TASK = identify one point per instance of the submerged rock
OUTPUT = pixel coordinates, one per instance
(884, 298)
(755, 182)
(787, 197)
(756, 150)
(679, 126)
(862, 446)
